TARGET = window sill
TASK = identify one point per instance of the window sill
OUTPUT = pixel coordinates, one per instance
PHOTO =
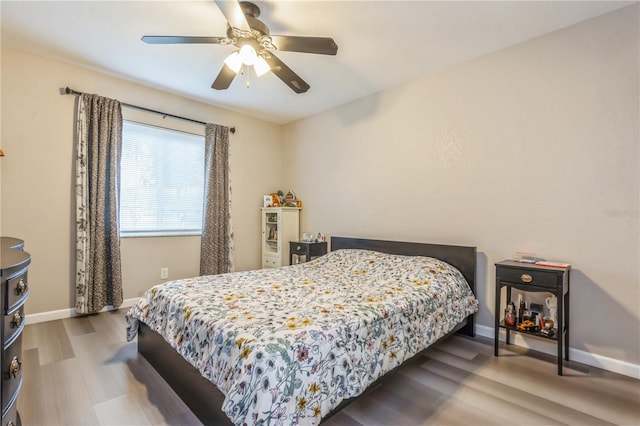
(153, 234)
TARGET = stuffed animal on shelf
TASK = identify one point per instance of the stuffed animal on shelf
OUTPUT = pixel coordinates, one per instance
(276, 200)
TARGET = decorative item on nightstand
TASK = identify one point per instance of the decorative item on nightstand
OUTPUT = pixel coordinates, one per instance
(552, 304)
(510, 315)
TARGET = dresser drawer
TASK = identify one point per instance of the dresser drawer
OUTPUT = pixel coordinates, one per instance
(16, 291)
(531, 277)
(10, 418)
(11, 371)
(13, 324)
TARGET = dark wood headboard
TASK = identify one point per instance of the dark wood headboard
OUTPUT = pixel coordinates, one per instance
(462, 257)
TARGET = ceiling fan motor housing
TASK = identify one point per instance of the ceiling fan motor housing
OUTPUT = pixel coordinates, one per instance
(251, 13)
(258, 37)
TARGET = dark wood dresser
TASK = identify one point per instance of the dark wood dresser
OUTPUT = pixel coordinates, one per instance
(13, 272)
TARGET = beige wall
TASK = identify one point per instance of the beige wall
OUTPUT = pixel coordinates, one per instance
(37, 175)
(530, 148)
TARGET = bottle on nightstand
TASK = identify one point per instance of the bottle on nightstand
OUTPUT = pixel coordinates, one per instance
(522, 309)
(510, 315)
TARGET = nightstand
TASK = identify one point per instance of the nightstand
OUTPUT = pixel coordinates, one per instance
(306, 249)
(533, 278)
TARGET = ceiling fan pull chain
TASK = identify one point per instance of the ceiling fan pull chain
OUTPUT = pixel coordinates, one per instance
(245, 72)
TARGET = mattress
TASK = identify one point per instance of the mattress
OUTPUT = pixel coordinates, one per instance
(287, 345)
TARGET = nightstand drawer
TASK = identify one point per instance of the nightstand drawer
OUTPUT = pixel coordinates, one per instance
(529, 277)
(296, 248)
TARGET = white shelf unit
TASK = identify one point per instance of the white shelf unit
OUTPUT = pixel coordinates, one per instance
(279, 226)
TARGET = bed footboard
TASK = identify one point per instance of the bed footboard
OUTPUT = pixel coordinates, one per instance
(199, 394)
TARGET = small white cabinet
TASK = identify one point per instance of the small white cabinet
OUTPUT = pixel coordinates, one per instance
(279, 226)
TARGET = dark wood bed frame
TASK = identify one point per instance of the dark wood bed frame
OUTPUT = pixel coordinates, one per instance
(204, 398)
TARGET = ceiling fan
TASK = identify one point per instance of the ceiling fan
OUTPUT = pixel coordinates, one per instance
(251, 36)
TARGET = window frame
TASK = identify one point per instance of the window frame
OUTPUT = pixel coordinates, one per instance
(172, 125)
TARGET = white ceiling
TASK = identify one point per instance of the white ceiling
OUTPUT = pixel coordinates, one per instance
(380, 43)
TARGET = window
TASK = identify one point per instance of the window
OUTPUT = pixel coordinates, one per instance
(161, 181)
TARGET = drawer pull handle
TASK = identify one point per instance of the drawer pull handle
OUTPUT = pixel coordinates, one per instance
(526, 278)
(14, 368)
(21, 288)
(16, 320)
(298, 248)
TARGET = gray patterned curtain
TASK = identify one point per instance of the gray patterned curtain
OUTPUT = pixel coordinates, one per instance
(216, 248)
(98, 151)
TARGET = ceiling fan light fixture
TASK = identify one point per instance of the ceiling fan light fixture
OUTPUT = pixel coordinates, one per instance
(234, 61)
(248, 54)
(261, 66)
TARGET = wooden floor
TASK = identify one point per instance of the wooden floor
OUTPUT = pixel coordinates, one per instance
(81, 371)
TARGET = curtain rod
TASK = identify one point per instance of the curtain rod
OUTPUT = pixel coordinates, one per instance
(70, 91)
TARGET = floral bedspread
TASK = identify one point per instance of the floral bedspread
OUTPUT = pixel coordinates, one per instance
(287, 345)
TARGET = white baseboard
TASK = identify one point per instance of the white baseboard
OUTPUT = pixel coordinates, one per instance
(71, 312)
(594, 360)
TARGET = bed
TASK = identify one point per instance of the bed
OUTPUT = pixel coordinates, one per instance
(294, 345)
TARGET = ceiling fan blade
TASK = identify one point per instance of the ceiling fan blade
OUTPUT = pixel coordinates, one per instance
(224, 78)
(286, 74)
(319, 45)
(184, 40)
(233, 13)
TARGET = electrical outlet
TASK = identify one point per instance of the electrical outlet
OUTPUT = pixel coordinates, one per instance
(164, 272)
